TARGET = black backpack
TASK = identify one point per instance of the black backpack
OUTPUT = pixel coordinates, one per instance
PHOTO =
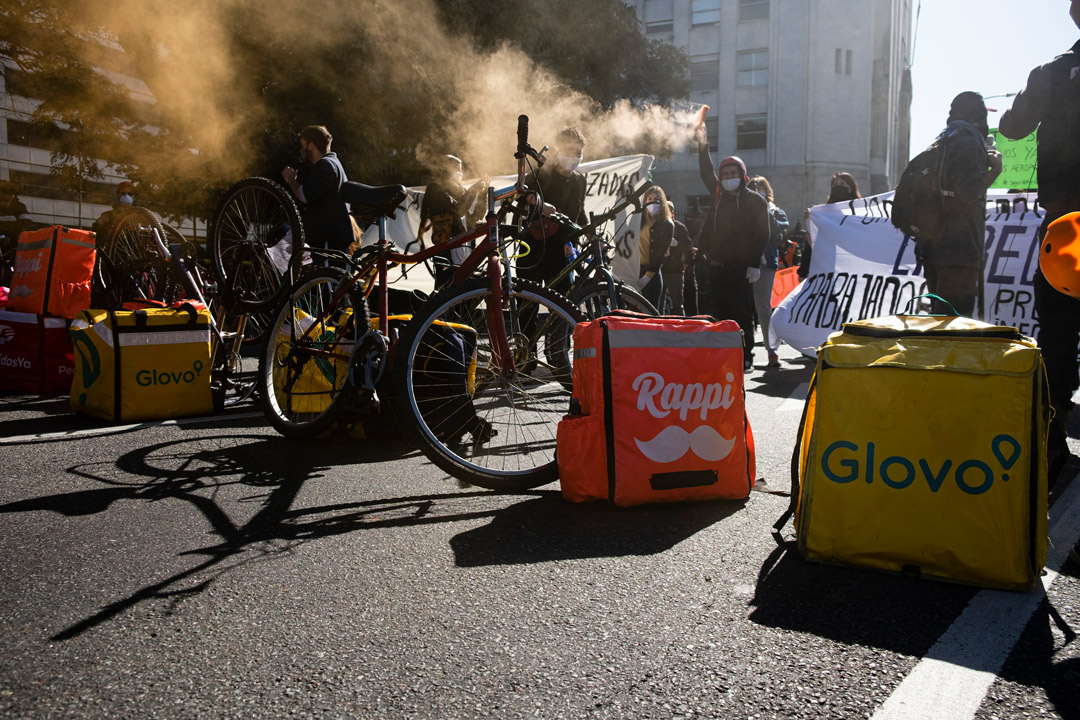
(918, 206)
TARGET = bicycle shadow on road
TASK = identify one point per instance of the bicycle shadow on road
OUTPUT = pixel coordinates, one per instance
(855, 606)
(548, 528)
(216, 476)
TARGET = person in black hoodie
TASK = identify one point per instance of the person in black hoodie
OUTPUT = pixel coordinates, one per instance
(733, 237)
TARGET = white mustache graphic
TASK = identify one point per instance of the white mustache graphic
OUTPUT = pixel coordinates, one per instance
(671, 443)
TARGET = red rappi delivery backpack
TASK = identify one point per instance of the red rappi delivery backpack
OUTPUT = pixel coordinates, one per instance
(662, 413)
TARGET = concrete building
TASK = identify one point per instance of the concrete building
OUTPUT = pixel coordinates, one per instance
(799, 89)
(26, 149)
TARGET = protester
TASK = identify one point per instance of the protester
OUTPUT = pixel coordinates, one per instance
(733, 237)
(1051, 103)
(677, 263)
(122, 205)
(562, 189)
(318, 187)
(763, 287)
(448, 209)
(953, 260)
(655, 239)
(842, 188)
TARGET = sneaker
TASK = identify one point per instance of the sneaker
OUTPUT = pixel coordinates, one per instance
(774, 360)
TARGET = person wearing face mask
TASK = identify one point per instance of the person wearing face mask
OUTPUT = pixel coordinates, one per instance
(318, 187)
(770, 261)
(655, 238)
(125, 201)
(562, 188)
(842, 188)
(953, 259)
(448, 208)
(733, 237)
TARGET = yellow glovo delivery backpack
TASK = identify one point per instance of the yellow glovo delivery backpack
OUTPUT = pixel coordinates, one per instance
(142, 364)
(922, 450)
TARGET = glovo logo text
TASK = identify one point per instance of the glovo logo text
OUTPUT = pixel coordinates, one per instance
(844, 462)
(153, 377)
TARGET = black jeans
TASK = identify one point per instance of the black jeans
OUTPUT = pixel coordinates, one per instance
(731, 297)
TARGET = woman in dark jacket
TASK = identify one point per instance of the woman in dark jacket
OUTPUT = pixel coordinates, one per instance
(657, 232)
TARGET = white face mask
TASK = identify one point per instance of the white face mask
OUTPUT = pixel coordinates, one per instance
(731, 184)
(762, 194)
(127, 199)
(569, 163)
(652, 208)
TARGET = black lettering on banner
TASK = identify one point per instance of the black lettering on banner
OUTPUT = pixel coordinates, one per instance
(1016, 303)
(901, 292)
(897, 268)
(625, 243)
(834, 311)
(870, 306)
(593, 177)
(1002, 252)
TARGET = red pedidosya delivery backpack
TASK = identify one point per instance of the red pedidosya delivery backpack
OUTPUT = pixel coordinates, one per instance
(662, 412)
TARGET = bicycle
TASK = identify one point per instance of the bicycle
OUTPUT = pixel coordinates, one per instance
(135, 264)
(594, 288)
(465, 364)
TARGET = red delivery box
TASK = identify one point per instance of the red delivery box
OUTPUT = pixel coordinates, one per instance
(662, 412)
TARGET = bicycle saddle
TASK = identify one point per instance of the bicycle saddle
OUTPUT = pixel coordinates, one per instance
(366, 200)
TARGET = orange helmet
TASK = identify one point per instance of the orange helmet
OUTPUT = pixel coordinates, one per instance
(1059, 254)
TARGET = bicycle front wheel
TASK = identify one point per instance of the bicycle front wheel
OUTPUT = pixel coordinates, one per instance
(255, 242)
(595, 300)
(489, 427)
(304, 363)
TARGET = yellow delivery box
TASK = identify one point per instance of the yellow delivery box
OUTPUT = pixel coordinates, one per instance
(922, 451)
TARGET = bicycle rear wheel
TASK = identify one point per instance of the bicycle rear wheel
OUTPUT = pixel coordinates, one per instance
(255, 243)
(447, 387)
(595, 301)
(304, 363)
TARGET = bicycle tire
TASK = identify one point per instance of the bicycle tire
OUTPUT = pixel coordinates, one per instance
(440, 404)
(255, 215)
(131, 266)
(593, 299)
(302, 394)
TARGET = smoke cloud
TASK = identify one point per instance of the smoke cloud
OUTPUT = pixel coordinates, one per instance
(186, 53)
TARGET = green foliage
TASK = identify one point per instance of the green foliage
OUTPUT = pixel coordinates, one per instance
(232, 82)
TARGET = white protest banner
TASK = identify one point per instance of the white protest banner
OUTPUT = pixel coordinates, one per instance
(604, 180)
(863, 267)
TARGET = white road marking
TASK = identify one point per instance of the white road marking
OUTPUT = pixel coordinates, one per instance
(796, 400)
(117, 429)
(951, 682)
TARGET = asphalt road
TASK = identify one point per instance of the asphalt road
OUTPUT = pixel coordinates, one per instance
(211, 569)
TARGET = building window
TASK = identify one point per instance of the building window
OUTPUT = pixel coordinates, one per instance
(712, 132)
(51, 187)
(750, 132)
(662, 27)
(40, 136)
(705, 75)
(753, 10)
(843, 61)
(753, 68)
(704, 12)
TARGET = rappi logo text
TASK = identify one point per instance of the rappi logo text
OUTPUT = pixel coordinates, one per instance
(844, 462)
(661, 399)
